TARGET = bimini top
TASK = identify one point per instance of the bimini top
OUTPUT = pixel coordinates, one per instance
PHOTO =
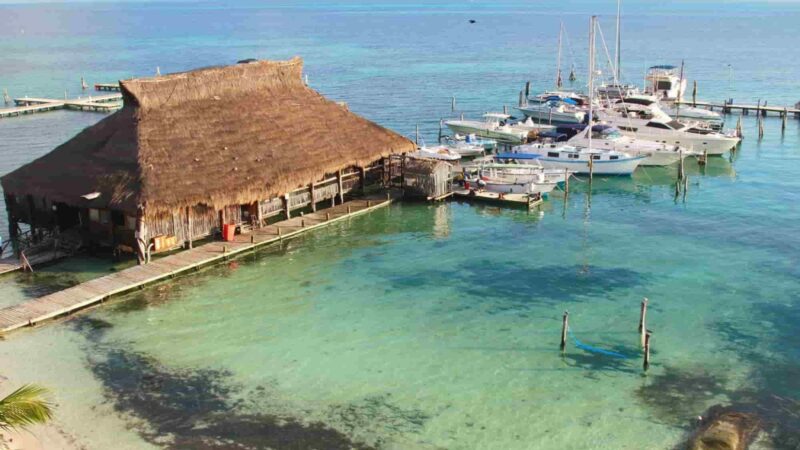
(663, 67)
(217, 136)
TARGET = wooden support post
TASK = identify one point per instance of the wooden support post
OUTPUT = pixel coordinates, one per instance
(363, 179)
(527, 89)
(141, 236)
(312, 197)
(643, 320)
(349, 211)
(259, 214)
(341, 186)
(416, 136)
(252, 238)
(369, 203)
(784, 116)
(564, 328)
(224, 249)
(646, 364)
(694, 94)
(453, 104)
(287, 207)
(302, 223)
(764, 110)
(327, 216)
(280, 234)
(760, 128)
(566, 181)
(189, 229)
(591, 167)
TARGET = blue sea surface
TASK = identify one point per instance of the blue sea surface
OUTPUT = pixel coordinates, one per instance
(436, 326)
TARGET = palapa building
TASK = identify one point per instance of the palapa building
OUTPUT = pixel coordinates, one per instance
(189, 152)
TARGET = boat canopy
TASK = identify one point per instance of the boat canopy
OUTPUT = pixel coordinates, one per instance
(517, 156)
(557, 98)
(663, 67)
(553, 134)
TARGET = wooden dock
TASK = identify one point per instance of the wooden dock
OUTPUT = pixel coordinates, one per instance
(31, 105)
(729, 108)
(113, 87)
(13, 264)
(514, 200)
(98, 290)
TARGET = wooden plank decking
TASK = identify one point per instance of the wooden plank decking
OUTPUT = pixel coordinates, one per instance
(99, 289)
(12, 264)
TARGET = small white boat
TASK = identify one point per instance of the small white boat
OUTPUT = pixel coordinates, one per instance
(492, 127)
(487, 144)
(441, 152)
(553, 109)
(466, 149)
(576, 159)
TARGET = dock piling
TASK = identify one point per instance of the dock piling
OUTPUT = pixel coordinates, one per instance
(566, 181)
(643, 321)
(327, 216)
(416, 136)
(784, 116)
(453, 104)
(646, 363)
(6, 98)
(564, 328)
(527, 89)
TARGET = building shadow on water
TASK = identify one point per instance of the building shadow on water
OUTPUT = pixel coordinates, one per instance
(198, 408)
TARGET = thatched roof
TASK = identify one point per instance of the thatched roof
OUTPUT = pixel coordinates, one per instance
(216, 136)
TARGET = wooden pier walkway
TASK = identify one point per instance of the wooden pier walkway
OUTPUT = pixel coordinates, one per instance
(107, 87)
(744, 108)
(514, 200)
(95, 291)
(13, 264)
(31, 105)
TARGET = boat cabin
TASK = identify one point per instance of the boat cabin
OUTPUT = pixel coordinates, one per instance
(665, 82)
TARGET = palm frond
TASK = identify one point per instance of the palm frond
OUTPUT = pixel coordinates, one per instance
(24, 407)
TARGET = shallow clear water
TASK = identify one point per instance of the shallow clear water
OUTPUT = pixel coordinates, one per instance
(437, 326)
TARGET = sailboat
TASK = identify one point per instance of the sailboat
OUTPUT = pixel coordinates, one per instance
(580, 159)
(551, 107)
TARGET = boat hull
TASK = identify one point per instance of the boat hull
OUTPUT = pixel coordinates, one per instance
(511, 137)
(554, 116)
(621, 167)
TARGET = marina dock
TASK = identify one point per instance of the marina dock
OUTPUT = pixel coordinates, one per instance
(98, 290)
(31, 105)
(518, 200)
(745, 109)
(113, 87)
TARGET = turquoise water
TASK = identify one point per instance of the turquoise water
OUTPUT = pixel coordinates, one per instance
(437, 326)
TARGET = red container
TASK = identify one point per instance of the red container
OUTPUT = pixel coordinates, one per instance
(228, 231)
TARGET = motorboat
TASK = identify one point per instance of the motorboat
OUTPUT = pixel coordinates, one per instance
(655, 125)
(514, 179)
(494, 126)
(553, 109)
(487, 144)
(441, 152)
(665, 82)
(467, 149)
(673, 109)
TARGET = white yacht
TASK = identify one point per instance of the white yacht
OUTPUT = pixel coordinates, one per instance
(515, 179)
(575, 159)
(487, 144)
(654, 125)
(665, 82)
(607, 137)
(493, 126)
(672, 109)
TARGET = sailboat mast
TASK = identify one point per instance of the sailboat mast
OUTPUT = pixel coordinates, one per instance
(558, 61)
(618, 49)
(680, 94)
(591, 78)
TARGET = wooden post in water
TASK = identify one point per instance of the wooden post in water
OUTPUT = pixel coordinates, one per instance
(739, 133)
(527, 89)
(591, 167)
(505, 109)
(694, 95)
(453, 104)
(785, 115)
(681, 170)
(521, 99)
(764, 110)
(566, 181)
(646, 364)
(643, 320)
(416, 136)
(252, 238)
(327, 216)
(760, 127)
(440, 131)
(349, 211)
(462, 116)
(564, 328)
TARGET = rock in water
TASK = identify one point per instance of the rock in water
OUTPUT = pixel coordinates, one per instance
(725, 430)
